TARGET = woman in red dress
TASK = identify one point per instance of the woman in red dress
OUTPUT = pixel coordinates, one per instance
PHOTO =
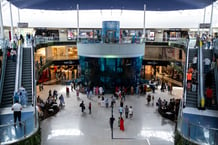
(121, 124)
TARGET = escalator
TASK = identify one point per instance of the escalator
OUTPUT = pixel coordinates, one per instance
(26, 80)
(9, 83)
(192, 97)
(209, 73)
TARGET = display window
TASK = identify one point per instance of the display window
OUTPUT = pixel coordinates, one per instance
(71, 34)
(72, 52)
(151, 36)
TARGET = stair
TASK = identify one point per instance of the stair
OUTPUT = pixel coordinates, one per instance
(9, 84)
(191, 97)
(27, 73)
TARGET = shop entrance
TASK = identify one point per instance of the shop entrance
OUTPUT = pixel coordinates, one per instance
(63, 73)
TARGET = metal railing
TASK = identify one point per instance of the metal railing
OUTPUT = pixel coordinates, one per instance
(197, 133)
(4, 62)
(185, 74)
(33, 76)
(215, 46)
(216, 81)
(12, 133)
(125, 40)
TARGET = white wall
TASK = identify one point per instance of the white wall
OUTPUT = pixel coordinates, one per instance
(94, 18)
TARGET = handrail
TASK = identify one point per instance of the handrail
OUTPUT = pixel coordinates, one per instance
(127, 39)
(185, 74)
(23, 127)
(33, 118)
(4, 62)
(21, 65)
(33, 75)
(198, 129)
(18, 67)
(201, 97)
(216, 81)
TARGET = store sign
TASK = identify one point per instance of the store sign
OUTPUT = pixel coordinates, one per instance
(66, 62)
(204, 25)
(22, 25)
(175, 29)
(156, 62)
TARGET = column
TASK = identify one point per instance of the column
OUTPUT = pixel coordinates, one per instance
(204, 15)
(12, 27)
(1, 23)
(144, 30)
(18, 12)
(77, 8)
(211, 20)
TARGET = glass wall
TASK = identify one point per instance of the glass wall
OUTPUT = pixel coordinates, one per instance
(110, 72)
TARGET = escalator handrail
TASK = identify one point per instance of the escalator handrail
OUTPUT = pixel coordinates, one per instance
(33, 76)
(19, 67)
(4, 62)
(200, 76)
(185, 74)
(216, 81)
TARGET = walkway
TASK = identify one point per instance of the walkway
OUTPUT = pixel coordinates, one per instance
(70, 126)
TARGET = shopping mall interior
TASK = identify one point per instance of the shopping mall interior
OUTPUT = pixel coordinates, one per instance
(109, 72)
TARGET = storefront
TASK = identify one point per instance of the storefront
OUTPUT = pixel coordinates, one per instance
(64, 70)
(174, 34)
(57, 62)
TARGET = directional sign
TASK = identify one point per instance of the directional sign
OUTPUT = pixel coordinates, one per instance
(22, 25)
(204, 25)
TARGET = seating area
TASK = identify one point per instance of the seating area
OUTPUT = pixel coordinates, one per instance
(48, 108)
(168, 110)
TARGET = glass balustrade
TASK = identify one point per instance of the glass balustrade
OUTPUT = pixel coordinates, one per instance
(11, 132)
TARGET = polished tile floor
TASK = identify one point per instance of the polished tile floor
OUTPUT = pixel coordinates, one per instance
(70, 126)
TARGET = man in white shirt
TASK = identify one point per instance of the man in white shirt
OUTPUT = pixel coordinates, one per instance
(194, 61)
(17, 112)
(21, 89)
(101, 91)
(206, 65)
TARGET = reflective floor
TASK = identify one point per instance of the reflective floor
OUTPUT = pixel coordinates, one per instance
(70, 126)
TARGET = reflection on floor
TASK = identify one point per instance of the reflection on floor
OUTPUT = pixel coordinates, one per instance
(10, 132)
(70, 126)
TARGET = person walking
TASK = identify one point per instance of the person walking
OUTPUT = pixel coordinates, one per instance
(130, 112)
(153, 100)
(209, 96)
(126, 111)
(82, 105)
(121, 111)
(71, 86)
(62, 102)
(112, 121)
(90, 108)
(16, 107)
(77, 91)
(121, 124)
